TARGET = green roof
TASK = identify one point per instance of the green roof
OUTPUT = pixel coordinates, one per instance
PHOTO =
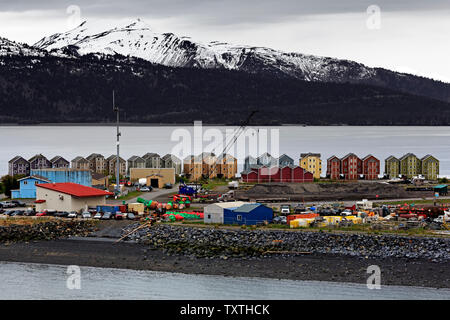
(441, 186)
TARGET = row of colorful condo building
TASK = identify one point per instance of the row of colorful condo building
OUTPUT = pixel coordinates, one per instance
(265, 167)
(95, 162)
(350, 167)
(206, 164)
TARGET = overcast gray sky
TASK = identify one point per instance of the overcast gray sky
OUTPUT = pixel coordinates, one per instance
(410, 36)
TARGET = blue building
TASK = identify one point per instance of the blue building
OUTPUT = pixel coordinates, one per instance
(63, 175)
(57, 175)
(248, 214)
(28, 187)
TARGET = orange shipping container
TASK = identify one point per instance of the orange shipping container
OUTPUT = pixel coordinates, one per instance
(301, 216)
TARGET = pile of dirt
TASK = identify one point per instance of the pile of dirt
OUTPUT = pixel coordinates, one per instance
(323, 191)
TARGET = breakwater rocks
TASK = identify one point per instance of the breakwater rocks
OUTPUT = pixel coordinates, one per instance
(45, 230)
(224, 243)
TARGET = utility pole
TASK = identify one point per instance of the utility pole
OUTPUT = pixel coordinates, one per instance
(116, 109)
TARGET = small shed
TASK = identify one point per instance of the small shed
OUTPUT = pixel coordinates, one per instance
(441, 189)
(214, 212)
(248, 214)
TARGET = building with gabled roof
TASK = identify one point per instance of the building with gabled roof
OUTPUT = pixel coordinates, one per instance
(18, 166)
(39, 161)
(111, 165)
(80, 163)
(135, 162)
(97, 163)
(152, 160)
(410, 165)
(27, 187)
(370, 167)
(392, 167)
(334, 168)
(171, 161)
(312, 163)
(68, 197)
(430, 167)
(59, 162)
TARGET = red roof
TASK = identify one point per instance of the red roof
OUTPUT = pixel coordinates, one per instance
(74, 189)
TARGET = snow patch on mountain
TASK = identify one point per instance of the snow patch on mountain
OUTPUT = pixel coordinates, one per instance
(137, 39)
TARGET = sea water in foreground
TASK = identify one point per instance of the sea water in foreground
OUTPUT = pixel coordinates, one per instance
(42, 281)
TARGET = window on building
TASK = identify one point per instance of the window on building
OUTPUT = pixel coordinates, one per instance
(239, 217)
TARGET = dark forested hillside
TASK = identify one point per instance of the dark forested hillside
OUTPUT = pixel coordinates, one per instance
(52, 89)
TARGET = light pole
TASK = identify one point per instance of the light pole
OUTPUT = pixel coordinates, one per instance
(116, 109)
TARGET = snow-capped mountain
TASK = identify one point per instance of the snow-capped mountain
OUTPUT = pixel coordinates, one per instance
(8, 47)
(139, 40)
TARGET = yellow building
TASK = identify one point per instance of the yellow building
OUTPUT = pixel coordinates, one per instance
(311, 162)
(156, 177)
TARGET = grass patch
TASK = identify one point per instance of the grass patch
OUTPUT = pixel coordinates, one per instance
(130, 195)
(214, 183)
(28, 221)
(440, 201)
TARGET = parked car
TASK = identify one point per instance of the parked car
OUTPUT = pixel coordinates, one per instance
(346, 212)
(98, 215)
(41, 214)
(145, 189)
(18, 203)
(86, 215)
(106, 216)
(168, 186)
(29, 213)
(280, 220)
(62, 214)
(285, 209)
(18, 213)
(119, 215)
(131, 216)
(72, 215)
(50, 212)
(6, 204)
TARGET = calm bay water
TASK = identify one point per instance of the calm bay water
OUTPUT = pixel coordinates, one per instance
(41, 281)
(71, 141)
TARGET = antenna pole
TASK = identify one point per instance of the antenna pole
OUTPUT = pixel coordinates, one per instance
(116, 109)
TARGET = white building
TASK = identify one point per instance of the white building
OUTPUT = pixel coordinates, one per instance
(68, 197)
(214, 212)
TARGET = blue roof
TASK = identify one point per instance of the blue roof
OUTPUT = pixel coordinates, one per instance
(248, 207)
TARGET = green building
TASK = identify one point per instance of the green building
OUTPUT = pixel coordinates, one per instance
(391, 167)
(430, 167)
(410, 165)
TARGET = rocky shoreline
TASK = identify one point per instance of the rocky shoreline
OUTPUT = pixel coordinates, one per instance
(237, 243)
(45, 231)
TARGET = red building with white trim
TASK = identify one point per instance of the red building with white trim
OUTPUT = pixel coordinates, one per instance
(333, 167)
(351, 166)
(371, 167)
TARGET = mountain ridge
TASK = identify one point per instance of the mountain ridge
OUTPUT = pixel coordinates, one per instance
(138, 39)
(56, 89)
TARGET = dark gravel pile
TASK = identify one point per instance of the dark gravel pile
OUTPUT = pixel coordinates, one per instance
(45, 231)
(213, 242)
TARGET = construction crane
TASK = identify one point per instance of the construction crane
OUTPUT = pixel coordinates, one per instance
(232, 141)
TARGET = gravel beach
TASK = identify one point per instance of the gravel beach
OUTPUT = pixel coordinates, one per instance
(414, 262)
